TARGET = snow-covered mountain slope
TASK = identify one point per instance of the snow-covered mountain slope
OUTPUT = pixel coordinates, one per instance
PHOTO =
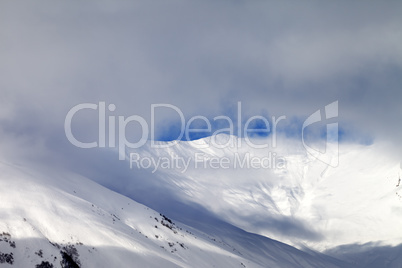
(50, 218)
(304, 202)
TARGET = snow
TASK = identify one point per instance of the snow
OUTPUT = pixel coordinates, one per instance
(45, 212)
(215, 217)
(307, 204)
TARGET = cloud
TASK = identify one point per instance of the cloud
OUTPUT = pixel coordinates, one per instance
(282, 58)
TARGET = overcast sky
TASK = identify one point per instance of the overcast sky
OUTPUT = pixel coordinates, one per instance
(276, 57)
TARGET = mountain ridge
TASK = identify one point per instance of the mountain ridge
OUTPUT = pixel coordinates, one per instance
(53, 219)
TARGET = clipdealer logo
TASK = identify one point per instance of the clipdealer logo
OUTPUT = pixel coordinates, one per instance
(148, 130)
(108, 137)
(331, 154)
